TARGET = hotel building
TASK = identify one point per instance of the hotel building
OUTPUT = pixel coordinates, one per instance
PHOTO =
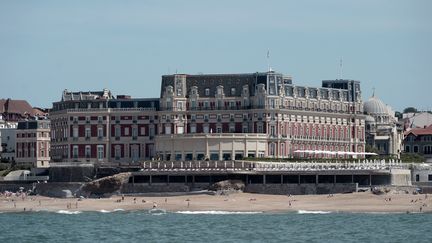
(210, 116)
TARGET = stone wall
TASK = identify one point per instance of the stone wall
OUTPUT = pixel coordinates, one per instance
(301, 189)
(57, 189)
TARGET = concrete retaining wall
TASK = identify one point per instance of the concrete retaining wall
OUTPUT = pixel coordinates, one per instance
(400, 177)
(14, 187)
(72, 173)
(301, 189)
(154, 188)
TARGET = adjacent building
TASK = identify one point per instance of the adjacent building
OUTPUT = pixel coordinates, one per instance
(97, 126)
(419, 140)
(383, 131)
(7, 148)
(33, 143)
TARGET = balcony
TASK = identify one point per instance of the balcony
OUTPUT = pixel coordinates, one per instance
(87, 138)
(134, 138)
(117, 138)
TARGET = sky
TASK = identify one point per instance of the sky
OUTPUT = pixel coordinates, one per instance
(126, 46)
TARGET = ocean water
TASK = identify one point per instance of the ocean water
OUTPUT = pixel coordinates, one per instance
(211, 226)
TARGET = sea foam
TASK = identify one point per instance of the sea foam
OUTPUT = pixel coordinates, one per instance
(312, 212)
(216, 212)
(68, 212)
(104, 211)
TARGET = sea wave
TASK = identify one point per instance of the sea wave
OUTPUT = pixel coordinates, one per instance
(312, 212)
(68, 212)
(118, 210)
(216, 212)
(104, 211)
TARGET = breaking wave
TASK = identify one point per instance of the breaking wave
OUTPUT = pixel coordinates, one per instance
(312, 212)
(216, 212)
(68, 212)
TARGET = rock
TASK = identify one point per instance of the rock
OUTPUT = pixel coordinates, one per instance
(104, 186)
(378, 190)
(227, 185)
(67, 194)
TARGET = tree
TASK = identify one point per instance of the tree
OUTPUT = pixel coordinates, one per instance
(398, 115)
(410, 110)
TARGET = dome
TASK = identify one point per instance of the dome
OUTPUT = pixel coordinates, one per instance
(375, 106)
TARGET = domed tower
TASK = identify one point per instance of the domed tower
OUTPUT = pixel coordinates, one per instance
(381, 132)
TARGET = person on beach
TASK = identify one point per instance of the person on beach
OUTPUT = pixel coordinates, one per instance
(134, 200)
(154, 205)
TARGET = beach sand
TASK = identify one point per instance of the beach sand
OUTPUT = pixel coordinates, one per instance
(235, 202)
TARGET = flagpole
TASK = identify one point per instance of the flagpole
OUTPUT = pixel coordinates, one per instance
(268, 60)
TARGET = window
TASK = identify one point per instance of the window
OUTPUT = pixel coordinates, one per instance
(245, 129)
(143, 131)
(407, 149)
(117, 131)
(272, 149)
(134, 132)
(75, 151)
(87, 151)
(233, 90)
(75, 132)
(272, 131)
(168, 129)
(100, 132)
(87, 132)
(207, 91)
(180, 130)
(126, 131)
(179, 105)
(135, 152)
(218, 129)
(416, 149)
(100, 150)
(260, 128)
(193, 129)
(117, 152)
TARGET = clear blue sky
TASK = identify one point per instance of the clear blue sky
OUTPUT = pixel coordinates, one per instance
(125, 46)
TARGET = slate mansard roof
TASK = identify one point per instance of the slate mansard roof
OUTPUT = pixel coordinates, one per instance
(228, 81)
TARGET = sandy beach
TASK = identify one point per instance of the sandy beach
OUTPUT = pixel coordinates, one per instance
(235, 202)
